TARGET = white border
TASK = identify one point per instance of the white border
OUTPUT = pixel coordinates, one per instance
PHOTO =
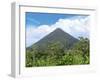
(18, 62)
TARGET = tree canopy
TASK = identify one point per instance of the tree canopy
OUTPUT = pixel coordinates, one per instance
(55, 54)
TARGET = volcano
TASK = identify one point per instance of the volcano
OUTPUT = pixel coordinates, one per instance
(58, 35)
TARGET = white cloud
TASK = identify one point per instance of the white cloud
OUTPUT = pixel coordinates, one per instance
(76, 27)
(33, 34)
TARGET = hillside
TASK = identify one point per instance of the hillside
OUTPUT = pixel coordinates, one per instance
(57, 35)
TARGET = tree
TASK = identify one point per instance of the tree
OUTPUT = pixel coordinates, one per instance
(29, 59)
(83, 46)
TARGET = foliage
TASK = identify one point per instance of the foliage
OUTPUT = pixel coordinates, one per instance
(55, 54)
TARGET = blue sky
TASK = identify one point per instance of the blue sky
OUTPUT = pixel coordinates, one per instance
(39, 25)
(36, 19)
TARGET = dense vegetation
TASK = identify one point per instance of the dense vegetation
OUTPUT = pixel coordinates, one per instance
(56, 54)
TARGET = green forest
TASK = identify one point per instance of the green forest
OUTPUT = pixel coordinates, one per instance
(55, 54)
